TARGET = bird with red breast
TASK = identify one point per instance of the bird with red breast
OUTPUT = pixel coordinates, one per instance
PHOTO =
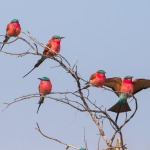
(45, 88)
(13, 29)
(51, 49)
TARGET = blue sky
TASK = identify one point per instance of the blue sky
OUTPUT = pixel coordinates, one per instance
(109, 35)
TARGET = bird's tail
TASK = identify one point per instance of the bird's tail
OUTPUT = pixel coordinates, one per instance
(36, 65)
(5, 41)
(40, 102)
(120, 106)
(85, 87)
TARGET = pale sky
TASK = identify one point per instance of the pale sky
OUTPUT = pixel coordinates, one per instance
(100, 34)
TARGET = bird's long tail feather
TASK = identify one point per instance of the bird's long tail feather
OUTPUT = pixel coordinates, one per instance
(40, 102)
(85, 87)
(36, 65)
(119, 108)
(5, 41)
(29, 72)
(117, 115)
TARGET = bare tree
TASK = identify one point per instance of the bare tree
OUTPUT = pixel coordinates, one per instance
(79, 100)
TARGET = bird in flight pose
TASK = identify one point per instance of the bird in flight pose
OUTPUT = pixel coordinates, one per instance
(125, 89)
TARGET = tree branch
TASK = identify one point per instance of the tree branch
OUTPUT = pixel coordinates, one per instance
(54, 139)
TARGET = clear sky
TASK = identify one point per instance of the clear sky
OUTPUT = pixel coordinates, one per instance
(112, 35)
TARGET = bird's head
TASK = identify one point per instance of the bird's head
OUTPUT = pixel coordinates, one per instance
(15, 20)
(57, 37)
(101, 71)
(128, 77)
(44, 79)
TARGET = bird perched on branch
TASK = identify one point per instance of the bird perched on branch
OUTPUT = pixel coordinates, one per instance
(45, 88)
(52, 48)
(13, 29)
(124, 90)
(97, 79)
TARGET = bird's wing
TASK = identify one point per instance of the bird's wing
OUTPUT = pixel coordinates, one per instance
(114, 83)
(46, 50)
(39, 88)
(140, 84)
(8, 27)
(93, 76)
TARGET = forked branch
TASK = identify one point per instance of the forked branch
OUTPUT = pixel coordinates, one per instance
(54, 139)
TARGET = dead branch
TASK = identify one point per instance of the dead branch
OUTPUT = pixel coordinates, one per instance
(83, 105)
(54, 139)
(85, 141)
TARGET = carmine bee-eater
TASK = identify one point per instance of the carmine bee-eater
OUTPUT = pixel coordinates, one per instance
(45, 88)
(124, 90)
(52, 48)
(97, 79)
(12, 29)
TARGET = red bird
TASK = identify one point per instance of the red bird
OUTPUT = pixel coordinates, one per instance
(97, 79)
(45, 88)
(52, 50)
(124, 89)
(12, 29)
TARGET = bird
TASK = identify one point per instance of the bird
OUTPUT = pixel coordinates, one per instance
(125, 89)
(45, 88)
(97, 79)
(51, 49)
(13, 29)
(82, 148)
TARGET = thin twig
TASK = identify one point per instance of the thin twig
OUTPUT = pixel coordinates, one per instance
(54, 139)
